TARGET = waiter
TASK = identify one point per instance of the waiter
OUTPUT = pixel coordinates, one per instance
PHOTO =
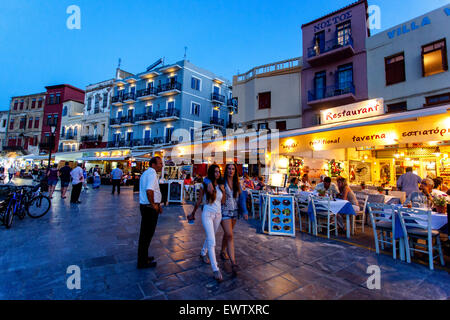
(150, 205)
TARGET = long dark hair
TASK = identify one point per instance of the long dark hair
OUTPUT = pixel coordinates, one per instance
(236, 185)
(210, 198)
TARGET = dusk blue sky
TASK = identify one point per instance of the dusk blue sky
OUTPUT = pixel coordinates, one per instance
(223, 36)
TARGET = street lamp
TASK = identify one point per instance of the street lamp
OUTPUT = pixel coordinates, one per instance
(52, 125)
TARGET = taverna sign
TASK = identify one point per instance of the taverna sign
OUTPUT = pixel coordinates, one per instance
(364, 109)
(406, 28)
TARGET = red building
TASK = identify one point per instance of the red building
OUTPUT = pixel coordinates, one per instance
(55, 97)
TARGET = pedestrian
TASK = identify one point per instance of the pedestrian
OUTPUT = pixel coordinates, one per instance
(85, 186)
(230, 212)
(213, 197)
(97, 180)
(35, 173)
(77, 183)
(150, 207)
(116, 178)
(409, 182)
(52, 178)
(64, 176)
(11, 173)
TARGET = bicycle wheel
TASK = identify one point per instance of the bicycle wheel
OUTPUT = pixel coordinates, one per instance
(38, 206)
(20, 210)
(9, 215)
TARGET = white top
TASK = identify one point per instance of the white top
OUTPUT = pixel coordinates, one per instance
(216, 206)
(96, 174)
(77, 175)
(149, 181)
(11, 170)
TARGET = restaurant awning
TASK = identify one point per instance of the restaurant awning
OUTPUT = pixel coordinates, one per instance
(101, 159)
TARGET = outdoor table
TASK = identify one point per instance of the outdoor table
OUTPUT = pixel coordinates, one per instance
(337, 206)
(387, 199)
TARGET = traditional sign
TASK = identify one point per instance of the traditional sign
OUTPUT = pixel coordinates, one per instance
(365, 109)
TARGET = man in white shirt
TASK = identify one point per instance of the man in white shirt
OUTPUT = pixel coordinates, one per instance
(77, 183)
(116, 178)
(11, 172)
(150, 206)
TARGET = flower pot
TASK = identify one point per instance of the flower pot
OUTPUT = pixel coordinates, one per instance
(441, 209)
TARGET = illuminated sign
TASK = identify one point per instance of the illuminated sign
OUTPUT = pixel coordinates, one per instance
(365, 109)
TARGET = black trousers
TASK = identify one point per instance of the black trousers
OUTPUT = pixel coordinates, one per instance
(116, 183)
(148, 226)
(76, 190)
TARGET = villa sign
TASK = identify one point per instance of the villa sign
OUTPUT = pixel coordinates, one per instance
(365, 109)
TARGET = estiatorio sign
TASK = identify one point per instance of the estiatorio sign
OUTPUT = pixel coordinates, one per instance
(364, 109)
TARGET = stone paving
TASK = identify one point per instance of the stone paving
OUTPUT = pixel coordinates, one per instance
(100, 236)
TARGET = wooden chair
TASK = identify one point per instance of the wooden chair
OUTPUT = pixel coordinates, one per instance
(302, 210)
(383, 226)
(416, 224)
(255, 203)
(322, 211)
(361, 214)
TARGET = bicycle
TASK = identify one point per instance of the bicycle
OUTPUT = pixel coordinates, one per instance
(25, 200)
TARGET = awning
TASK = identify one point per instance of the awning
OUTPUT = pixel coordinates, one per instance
(101, 159)
(37, 157)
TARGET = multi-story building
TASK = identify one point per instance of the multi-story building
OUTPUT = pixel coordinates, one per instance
(3, 128)
(408, 64)
(55, 98)
(269, 96)
(71, 125)
(334, 61)
(147, 107)
(25, 122)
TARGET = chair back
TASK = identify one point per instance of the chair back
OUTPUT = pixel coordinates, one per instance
(319, 204)
(356, 188)
(415, 218)
(362, 200)
(398, 194)
(292, 191)
(380, 212)
(376, 198)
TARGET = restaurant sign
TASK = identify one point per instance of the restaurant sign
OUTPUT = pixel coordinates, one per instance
(364, 109)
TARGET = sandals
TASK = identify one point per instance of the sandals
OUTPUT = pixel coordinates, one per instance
(218, 276)
(235, 269)
(224, 255)
(205, 259)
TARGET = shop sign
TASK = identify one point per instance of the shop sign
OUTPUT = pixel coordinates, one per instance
(112, 154)
(406, 28)
(365, 109)
(333, 21)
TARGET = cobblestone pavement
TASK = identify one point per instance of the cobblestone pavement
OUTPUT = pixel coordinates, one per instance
(100, 236)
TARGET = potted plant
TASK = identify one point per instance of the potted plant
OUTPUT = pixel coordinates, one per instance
(380, 190)
(440, 203)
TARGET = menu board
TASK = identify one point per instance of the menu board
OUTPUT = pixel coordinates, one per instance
(176, 190)
(281, 215)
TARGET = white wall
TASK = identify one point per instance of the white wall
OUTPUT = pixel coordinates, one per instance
(416, 87)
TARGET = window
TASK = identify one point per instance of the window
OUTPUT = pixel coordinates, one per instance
(263, 126)
(319, 42)
(316, 120)
(129, 135)
(169, 132)
(195, 109)
(216, 114)
(73, 147)
(320, 82)
(4, 123)
(36, 122)
(437, 100)
(33, 103)
(281, 125)
(89, 103)
(40, 102)
(396, 107)
(55, 119)
(395, 69)
(30, 123)
(171, 106)
(149, 109)
(75, 132)
(345, 77)
(195, 83)
(119, 114)
(63, 131)
(51, 99)
(105, 100)
(64, 112)
(22, 123)
(11, 124)
(21, 104)
(192, 134)
(147, 134)
(343, 33)
(434, 58)
(58, 98)
(264, 100)
(16, 103)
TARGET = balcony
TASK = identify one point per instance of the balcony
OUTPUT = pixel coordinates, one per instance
(217, 121)
(13, 148)
(168, 115)
(129, 97)
(68, 137)
(157, 141)
(169, 89)
(336, 49)
(145, 118)
(147, 94)
(127, 121)
(217, 98)
(91, 138)
(114, 123)
(46, 146)
(117, 100)
(332, 95)
(96, 110)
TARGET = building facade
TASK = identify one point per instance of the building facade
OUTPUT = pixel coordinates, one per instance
(148, 108)
(55, 98)
(334, 69)
(408, 64)
(71, 126)
(269, 96)
(3, 128)
(25, 122)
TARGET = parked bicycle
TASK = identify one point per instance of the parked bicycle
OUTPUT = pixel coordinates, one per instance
(21, 201)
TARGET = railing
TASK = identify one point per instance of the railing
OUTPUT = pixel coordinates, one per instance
(330, 45)
(218, 97)
(158, 140)
(96, 110)
(169, 86)
(114, 121)
(129, 96)
(67, 136)
(12, 148)
(217, 121)
(331, 91)
(147, 92)
(118, 98)
(127, 120)
(145, 116)
(46, 146)
(268, 68)
(168, 113)
(91, 138)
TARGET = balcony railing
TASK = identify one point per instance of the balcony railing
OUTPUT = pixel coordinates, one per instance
(46, 145)
(114, 121)
(96, 110)
(116, 99)
(169, 87)
(217, 121)
(131, 96)
(330, 45)
(147, 92)
(145, 116)
(331, 91)
(91, 138)
(218, 97)
(118, 121)
(158, 140)
(67, 136)
(168, 113)
(12, 148)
